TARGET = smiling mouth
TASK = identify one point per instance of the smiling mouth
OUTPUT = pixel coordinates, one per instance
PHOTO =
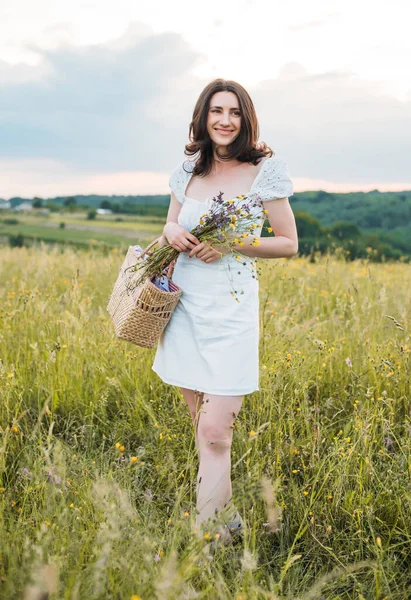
(225, 130)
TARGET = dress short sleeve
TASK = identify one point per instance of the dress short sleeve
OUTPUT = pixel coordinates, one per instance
(179, 179)
(273, 181)
(176, 183)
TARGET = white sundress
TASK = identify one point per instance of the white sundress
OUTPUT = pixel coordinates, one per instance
(211, 343)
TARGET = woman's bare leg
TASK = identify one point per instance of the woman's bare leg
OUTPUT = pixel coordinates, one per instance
(215, 434)
(194, 403)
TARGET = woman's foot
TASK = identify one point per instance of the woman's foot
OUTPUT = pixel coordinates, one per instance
(228, 533)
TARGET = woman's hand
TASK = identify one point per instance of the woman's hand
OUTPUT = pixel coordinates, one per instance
(178, 237)
(205, 252)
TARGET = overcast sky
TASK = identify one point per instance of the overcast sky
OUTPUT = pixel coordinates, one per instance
(98, 97)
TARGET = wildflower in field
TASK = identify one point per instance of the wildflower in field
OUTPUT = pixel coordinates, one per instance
(133, 459)
(149, 495)
(348, 362)
(252, 433)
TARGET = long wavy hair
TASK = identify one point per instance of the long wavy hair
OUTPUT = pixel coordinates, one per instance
(244, 148)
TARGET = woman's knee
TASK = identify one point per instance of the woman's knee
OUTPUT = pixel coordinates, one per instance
(216, 436)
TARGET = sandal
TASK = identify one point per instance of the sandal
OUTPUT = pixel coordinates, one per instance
(229, 534)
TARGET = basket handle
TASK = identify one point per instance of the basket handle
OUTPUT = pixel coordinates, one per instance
(170, 266)
(151, 244)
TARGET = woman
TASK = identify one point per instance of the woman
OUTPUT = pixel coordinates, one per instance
(210, 346)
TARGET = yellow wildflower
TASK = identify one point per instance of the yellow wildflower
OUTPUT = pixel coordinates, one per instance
(118, 444)
(269, 229)
(134, 459)
(265, 211)
(122, 448)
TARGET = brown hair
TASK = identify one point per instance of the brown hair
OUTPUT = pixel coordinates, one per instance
(244, 148)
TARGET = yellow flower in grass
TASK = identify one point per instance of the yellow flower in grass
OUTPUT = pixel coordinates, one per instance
(245, 235)
(201, 222)
(236, 241)
(265, 211)
(269, 229)
(241, 244)
(231, 202)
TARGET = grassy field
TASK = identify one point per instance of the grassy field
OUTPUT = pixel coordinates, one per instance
(81, 232)
(98, 463)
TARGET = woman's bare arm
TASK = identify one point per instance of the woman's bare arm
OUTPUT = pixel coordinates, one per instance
(282, 222)
(173, 233)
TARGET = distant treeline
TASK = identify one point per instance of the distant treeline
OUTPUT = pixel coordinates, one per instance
(374, 224)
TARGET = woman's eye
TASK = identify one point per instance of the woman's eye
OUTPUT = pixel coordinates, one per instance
(237, 113)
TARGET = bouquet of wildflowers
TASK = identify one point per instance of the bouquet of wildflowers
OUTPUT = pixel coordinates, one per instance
(226, 224)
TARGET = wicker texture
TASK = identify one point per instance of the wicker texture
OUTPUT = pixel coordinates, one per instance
(140, 314)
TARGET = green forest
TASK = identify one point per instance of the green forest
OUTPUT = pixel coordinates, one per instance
(374, 224)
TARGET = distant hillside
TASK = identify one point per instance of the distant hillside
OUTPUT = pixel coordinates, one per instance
(94, 201)
(370, 211)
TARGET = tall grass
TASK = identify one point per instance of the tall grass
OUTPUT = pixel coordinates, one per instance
(98, 463)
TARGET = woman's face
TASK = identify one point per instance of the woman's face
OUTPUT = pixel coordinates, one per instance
(224, 118)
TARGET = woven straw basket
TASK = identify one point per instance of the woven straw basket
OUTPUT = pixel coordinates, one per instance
(140, 314)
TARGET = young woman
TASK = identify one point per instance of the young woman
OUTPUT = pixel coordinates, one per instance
(210, 346)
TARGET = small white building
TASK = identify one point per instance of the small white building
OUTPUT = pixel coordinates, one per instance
(104, 211)
(4, 205)
(24, 206)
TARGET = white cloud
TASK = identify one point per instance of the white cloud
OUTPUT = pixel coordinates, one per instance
(109, 89)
